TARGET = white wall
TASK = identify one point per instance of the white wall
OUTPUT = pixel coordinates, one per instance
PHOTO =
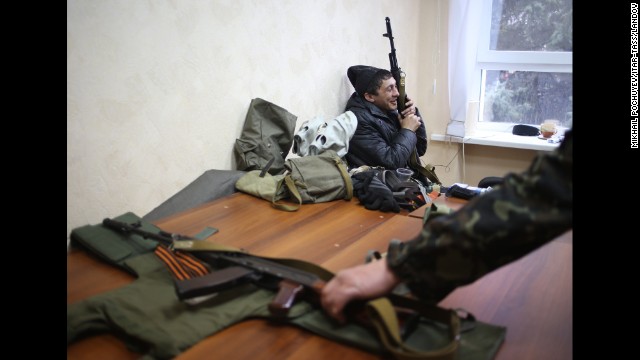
(157, 91)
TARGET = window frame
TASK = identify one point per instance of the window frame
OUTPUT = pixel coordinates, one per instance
(487, 59)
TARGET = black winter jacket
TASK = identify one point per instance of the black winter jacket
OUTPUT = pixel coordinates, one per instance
(379, 140)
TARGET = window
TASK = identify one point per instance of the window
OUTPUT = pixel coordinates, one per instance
(523, 73)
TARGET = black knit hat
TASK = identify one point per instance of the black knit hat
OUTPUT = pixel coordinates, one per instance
(361, 76)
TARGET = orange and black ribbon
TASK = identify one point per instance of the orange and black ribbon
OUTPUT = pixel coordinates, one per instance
(181, 264)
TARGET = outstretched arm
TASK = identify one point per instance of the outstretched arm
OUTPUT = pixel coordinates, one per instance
(365, 281)
(494, 229)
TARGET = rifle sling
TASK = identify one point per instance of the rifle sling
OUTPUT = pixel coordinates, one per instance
(426, 170)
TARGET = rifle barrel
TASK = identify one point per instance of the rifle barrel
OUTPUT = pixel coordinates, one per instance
(163, 236)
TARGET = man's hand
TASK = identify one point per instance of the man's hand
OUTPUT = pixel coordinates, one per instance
(408, 118)
(409, 108)
(411, 122)
(361, 282)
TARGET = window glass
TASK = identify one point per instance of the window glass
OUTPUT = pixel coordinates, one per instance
(525, 62)
(527, 97)
(526, 25)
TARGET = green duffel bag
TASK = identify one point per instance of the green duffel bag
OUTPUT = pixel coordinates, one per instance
(267, 135)
(308, 179)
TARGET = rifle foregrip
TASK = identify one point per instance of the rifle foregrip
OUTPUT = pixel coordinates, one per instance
(213, 282)
(403, 94)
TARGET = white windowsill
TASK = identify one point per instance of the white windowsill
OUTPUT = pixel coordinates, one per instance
(503, 139)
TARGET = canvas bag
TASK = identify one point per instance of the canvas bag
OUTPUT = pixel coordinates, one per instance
(267, 134)
(262, 184)
(309, 179)
(316, 178)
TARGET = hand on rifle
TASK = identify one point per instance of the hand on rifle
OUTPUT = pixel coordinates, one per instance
(410, 108)
(361, 282)
(411, 122)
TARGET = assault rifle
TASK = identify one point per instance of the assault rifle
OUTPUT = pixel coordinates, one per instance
(242, 267)
(397, 73)
(236, 267)
(290, 282)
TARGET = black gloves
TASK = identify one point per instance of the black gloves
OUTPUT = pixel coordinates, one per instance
(372, 193)
(382, 190)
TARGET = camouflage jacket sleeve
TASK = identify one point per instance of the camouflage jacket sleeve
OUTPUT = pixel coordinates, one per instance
(498, 227)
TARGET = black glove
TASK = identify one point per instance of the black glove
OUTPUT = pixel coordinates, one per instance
(372, 193)
(358, 186)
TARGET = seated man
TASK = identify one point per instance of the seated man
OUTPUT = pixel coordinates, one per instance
(383, 137)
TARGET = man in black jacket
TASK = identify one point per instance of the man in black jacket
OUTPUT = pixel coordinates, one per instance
(383, 136)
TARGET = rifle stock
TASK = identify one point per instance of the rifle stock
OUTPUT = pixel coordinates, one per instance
(397, 73)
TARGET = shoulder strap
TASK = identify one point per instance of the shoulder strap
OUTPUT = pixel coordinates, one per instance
(428, 171)
(291, 186)
(345, 175)
(382, 314)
